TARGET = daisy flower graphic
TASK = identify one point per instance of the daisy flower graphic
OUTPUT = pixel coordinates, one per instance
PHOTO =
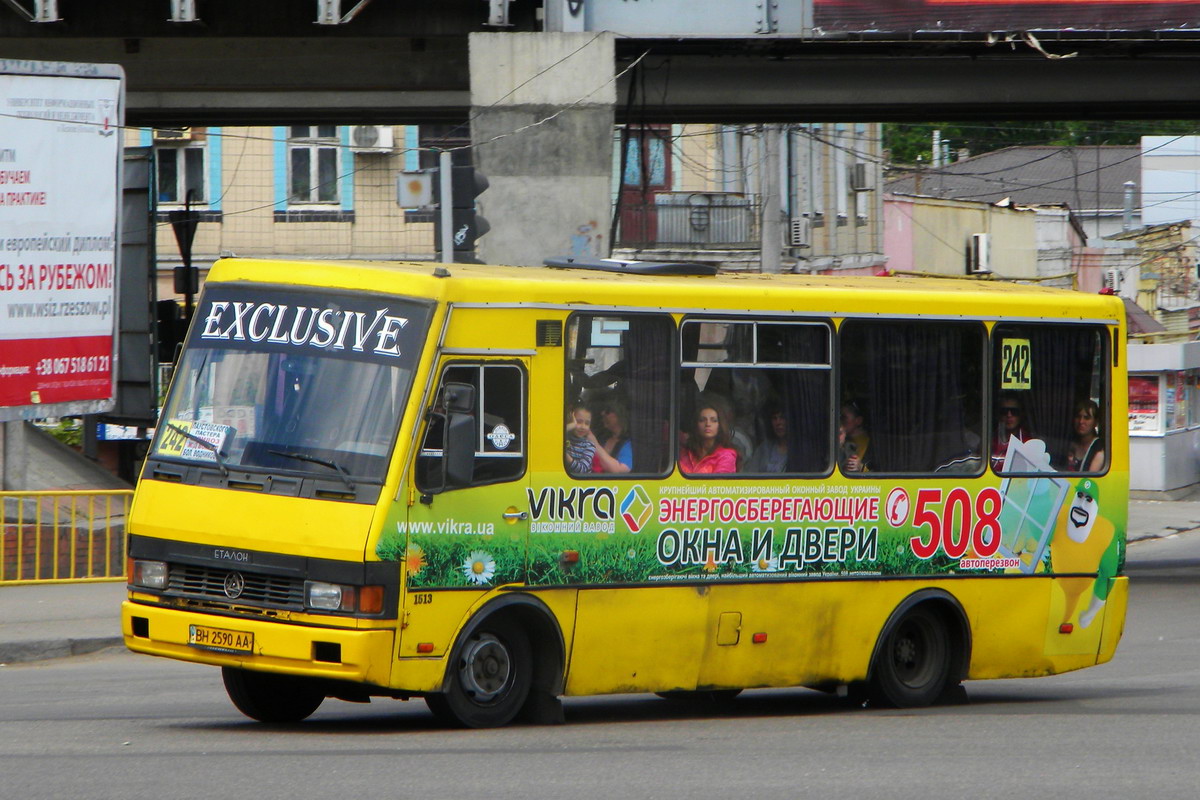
(765, 565)
(479, 567)
(414, 559)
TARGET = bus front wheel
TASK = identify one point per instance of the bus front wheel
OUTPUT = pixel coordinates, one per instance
(913, 663)
(271, 698)
(489, 678)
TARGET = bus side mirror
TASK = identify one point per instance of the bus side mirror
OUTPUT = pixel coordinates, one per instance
(458, 454)
(458, 450)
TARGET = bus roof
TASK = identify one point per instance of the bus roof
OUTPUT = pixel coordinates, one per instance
(731, 292)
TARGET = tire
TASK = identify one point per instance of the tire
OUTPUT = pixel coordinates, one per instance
(713, 696)
(913, 663)
(489, 678)
(271, 698)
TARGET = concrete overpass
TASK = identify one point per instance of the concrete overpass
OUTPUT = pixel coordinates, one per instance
(278, 61)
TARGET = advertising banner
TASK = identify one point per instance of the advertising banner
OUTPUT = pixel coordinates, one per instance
(982, 16)
(60, 158)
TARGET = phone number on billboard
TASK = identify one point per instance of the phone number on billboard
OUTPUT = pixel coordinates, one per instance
(72, 365)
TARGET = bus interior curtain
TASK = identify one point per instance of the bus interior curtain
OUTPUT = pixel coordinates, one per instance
(804, 399)
(648, 361)
(917, 383)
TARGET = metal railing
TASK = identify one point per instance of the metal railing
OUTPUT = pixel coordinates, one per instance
(700, 220)
(61, 536)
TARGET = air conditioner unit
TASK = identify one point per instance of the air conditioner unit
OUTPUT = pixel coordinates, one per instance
(858, 177)
(979, 256)
(1113, 278)
(371, 138)
(799, 232)
(172, 134)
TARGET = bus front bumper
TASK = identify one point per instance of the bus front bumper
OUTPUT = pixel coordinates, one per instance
(359, 656)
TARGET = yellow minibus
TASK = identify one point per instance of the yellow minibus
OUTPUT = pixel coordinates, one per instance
(491, 487)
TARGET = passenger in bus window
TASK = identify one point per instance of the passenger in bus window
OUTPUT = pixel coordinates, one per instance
(1010, 424)
(853, 439)
(1086, 451)
(771, 455)
(615, 451)
(581, 442)
(707, 451)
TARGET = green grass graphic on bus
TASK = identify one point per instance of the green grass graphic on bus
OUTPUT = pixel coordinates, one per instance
(712, 531)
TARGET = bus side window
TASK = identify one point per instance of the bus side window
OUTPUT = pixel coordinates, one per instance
(771, 380)
(1049, 398)
(619, 368)
(917, 388)
(500, 402)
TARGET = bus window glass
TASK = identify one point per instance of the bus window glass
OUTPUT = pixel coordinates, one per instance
(769, 383)
(911, 397)
(1048, 398)
(499, 391)
(264, 385)
(619, 379)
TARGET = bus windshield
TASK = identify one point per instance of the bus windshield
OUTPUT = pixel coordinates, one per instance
(311, 386)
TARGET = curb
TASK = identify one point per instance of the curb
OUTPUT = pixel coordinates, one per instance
(44, 650)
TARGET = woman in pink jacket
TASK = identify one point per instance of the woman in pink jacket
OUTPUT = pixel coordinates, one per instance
(707, 449)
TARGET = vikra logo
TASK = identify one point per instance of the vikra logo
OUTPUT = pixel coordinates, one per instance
(558, 504)
(279, 323)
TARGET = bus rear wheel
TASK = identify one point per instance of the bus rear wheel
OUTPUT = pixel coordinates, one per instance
(912, 666)
(271, 698)
(489, 679)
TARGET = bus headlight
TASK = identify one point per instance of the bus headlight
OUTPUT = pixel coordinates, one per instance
(328, 596)
(337, 597)
(150, 574)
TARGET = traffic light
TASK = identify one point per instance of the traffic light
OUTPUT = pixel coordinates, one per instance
(466, 184)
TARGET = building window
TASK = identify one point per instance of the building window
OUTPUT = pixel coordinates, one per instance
(181, 173)
(313, 164)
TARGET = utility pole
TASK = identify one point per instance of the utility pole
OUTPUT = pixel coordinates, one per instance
(772, 220)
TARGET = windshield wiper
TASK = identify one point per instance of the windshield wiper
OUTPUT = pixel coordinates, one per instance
(324, 462)
(216, 451)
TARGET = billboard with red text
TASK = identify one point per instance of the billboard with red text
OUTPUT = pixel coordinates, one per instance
(982, 16)
(60, 159)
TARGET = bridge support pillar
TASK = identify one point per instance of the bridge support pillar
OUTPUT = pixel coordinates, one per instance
(542, 130)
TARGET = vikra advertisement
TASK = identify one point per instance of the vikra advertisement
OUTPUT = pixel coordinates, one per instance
(60, 156)
(647, 532)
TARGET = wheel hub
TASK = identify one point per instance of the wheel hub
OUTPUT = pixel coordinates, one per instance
(486, 667)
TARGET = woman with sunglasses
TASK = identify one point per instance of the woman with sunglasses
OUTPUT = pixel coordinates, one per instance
(1010, 424)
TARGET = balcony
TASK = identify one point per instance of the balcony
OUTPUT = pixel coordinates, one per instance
(691, 221)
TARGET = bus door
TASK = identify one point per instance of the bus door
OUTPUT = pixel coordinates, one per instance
(468, 523)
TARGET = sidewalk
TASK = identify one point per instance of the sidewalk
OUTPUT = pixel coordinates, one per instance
(54, 620)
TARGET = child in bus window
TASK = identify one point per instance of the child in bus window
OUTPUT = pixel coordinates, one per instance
(853, 438)
(581, 442)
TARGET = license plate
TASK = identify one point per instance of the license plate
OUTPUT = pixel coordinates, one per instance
(220, 639)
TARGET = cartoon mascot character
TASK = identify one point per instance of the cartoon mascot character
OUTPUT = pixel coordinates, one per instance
(1085, 542)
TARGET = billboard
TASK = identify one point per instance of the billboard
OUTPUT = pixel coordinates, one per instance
(981, 16)
(60, 180)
